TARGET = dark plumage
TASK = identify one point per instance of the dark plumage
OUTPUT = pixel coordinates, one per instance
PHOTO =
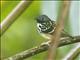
(46, 26)
(42, 19)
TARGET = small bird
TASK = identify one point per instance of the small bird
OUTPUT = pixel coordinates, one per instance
(46, 27)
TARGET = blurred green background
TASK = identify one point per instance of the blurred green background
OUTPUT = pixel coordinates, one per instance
(23, 35)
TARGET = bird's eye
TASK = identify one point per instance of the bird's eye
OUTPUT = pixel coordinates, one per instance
(39, 26)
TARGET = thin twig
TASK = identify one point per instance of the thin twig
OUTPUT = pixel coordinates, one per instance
(59, 27)
(74, 52)
(41, 48)
(15, 13)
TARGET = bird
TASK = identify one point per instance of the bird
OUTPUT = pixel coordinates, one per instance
(46, 27)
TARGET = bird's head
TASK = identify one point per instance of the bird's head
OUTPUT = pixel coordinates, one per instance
(44, 23)
(42, 19)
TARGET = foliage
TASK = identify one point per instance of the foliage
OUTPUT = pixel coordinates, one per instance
(23, 34)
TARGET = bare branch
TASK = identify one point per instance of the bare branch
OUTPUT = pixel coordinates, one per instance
(43, 47)
(73, 53)
(15, 13)
(57, 32)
